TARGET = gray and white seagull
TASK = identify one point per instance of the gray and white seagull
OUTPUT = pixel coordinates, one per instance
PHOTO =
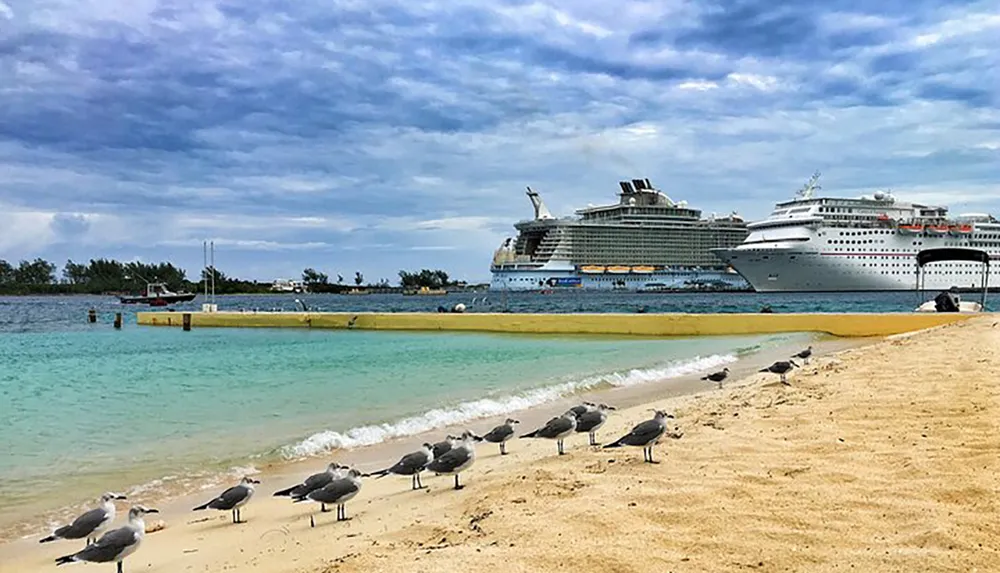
(501, 433)
(556, 429)
(781, 368)
(233, 498)
(645, 434)
(314, 482)
(89, 525)
(592, 420)
(338, 492)
(456, 460)
(445, 445)
(410, 465)
(115, 545)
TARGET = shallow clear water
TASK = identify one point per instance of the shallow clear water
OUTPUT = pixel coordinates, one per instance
(88, 408)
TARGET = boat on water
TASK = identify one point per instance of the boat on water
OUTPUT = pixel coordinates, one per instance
(646, 237)
(951, 300)
(157, 294)
(426, 291)
(826, 243)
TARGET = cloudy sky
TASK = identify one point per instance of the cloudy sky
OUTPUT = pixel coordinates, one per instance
(376, 135)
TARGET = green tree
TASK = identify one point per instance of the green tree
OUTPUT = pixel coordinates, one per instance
(359, 278)
(6, 273)
(36, 272)
(75, 273)
(312, 277)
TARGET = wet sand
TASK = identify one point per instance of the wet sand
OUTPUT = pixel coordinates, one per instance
(880, 458)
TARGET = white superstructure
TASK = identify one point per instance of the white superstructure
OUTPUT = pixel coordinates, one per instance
(816, 243)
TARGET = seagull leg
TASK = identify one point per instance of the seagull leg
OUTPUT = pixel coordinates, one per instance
(559, 447)
(503, 449)
(651, 456)
(420, 484)
(457, 485)
(120, 567)
(593, 439)
(312, 521)
(322, 508)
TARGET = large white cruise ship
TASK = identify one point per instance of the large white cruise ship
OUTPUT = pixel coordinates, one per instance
(819, 244)
(645, 241)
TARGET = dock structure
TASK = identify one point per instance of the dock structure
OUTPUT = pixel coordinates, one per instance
(656, 325)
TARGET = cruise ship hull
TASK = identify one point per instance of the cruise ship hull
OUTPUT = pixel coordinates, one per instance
(788, 268)
(554, 278)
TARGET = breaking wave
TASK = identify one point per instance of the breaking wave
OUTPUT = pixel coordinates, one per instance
(488, 407)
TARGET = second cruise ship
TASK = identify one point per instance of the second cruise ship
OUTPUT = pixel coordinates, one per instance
(821, 243)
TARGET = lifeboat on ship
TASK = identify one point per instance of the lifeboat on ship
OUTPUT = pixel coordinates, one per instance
(936, 229)
(643, 269)
(961, 230)
(592, 269)
(913, 229)
(618, 269)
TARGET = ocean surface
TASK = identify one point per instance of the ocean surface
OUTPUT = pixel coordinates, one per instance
(88, 408)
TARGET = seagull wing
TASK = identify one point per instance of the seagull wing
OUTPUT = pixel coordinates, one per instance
(83, 525)
(410, 463)
(109, 546)
(644, 433)
(555, 427)
(334, 491)
(449, 461)
(589, 421)
(229, 498)
(499, 433)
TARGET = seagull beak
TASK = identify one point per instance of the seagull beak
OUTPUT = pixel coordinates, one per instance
(256, 481)
(152, 510)
(611, 408)
(120, 497)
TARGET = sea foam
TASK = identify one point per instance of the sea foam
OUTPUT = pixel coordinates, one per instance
(488, 407)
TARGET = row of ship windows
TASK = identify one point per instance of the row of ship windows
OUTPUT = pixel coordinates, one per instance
(980, 236)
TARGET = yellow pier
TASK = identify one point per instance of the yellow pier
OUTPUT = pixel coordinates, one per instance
(846, 325)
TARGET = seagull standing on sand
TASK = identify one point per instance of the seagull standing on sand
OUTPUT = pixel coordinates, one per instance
(410, 465)
(233, 498)
(89, 525)
(646, 434)
(115, 545)
(338, 492)
(501, 433)
(592, 420)
(717, 376)
(781, 368)
(314, 482)
(805, 354)
(556, 429)
(456, 460)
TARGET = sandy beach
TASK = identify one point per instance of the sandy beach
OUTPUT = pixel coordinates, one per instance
(879, 458)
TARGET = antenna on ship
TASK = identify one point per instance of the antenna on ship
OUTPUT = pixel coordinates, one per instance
(806, 192)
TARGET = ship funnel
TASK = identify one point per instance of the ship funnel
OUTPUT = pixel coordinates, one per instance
(648, 184)
(541, 211)
(639, 184)
(626, 187)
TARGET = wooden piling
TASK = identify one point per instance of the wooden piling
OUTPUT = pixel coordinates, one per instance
(92, 316)
(187, 321)
(118, 320)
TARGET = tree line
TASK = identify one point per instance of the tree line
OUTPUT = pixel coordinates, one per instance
(108, 276)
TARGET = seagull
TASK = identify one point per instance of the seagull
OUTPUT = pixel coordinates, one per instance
(501, 433)
(805, 354)
(89, 525)
(592, 420)
(410, 465)
(782, 368)
(584, 407)
(717, 376)
(233, 498)
(116, 544)
(441, 448)
(337, 492)
(556, 429)
(314, 482)
(646, 434)
(456, 460)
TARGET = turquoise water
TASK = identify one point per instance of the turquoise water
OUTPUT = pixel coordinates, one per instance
(90, 408)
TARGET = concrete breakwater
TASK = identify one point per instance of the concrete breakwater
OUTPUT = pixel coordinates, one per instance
(845, 325)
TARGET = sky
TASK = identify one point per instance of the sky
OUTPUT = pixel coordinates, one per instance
(378, 135)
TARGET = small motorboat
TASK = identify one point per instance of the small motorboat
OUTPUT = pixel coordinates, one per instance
(950, 300)
(157, 294)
